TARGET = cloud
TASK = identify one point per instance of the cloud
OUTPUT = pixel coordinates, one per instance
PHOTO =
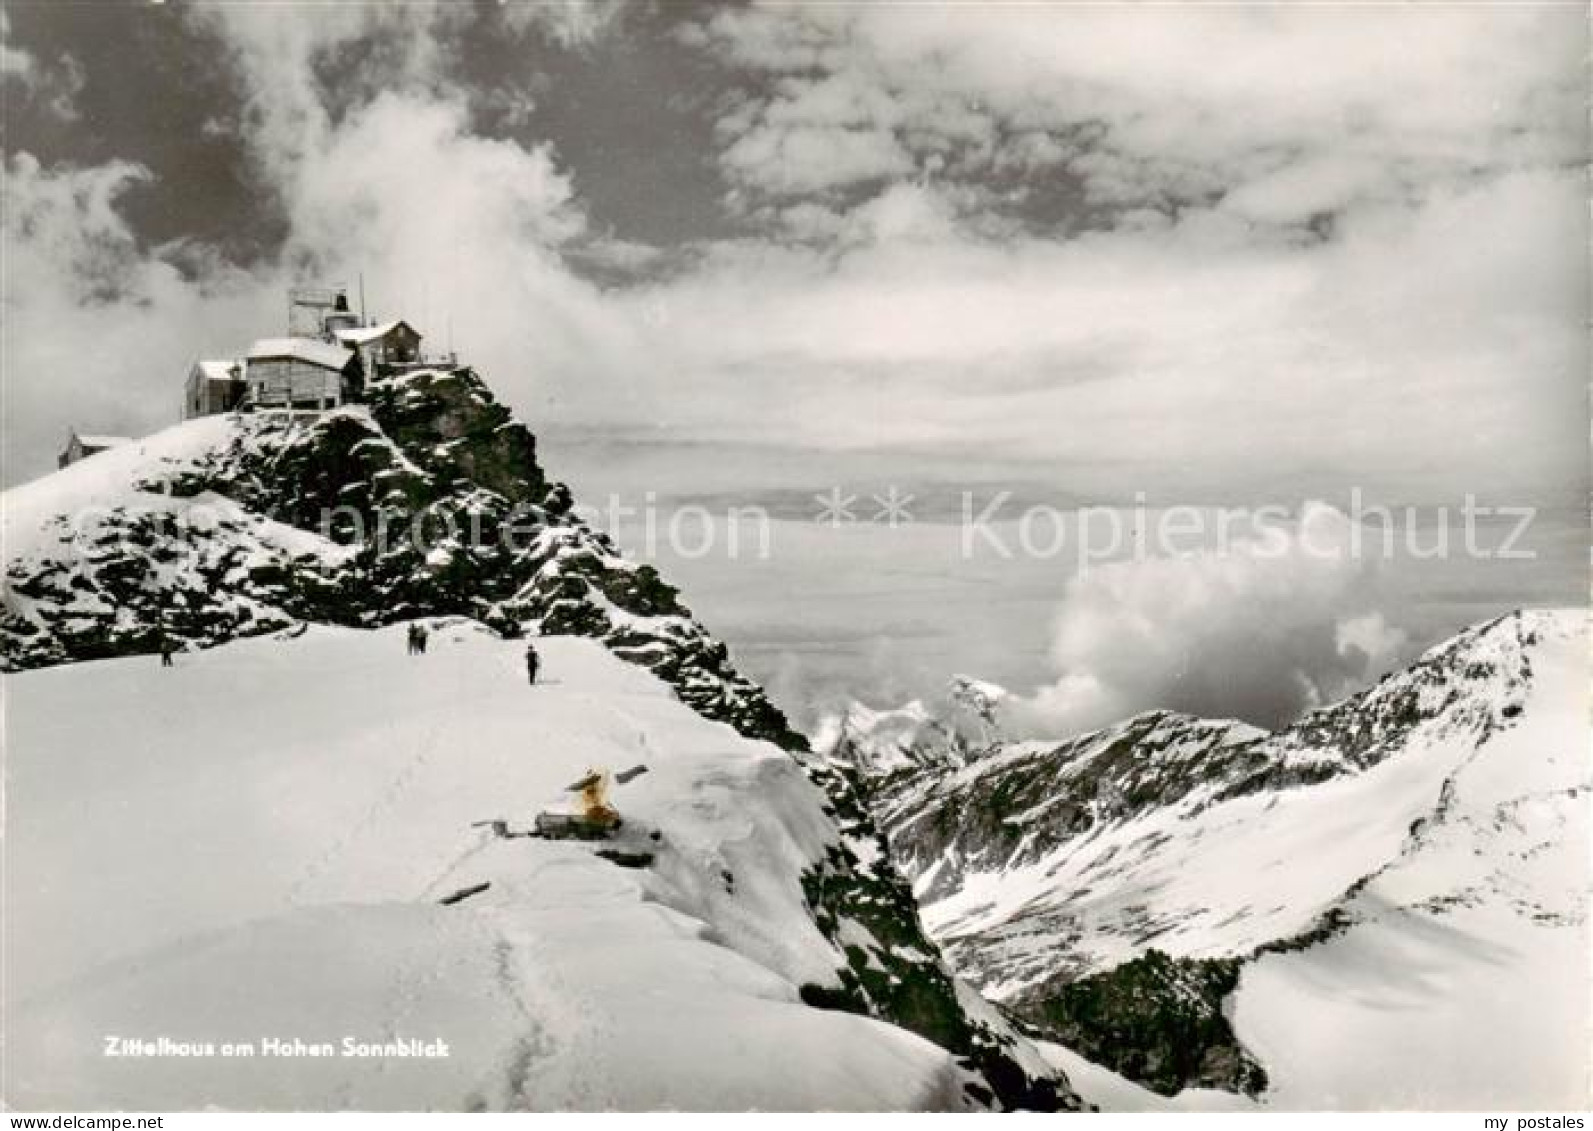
(1283, 621)
(493, 276)
(15, 63)
(1296, 233)
(1194, 359)
(100, 331)
(280, 59)
(1165, 106)
(54, 86)
(569, 23)
(799, 159)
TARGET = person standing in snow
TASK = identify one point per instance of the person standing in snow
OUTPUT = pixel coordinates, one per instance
(420, 638)
(412, 640)
(532, 663)
(165, 651)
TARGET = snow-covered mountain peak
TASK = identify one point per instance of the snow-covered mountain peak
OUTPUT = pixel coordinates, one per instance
(1472, 684)
(949, 729)
(978, 697)
(1116, 873)
(425, 500)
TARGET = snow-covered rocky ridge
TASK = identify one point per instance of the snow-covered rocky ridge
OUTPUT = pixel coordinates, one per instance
(427, 499)
(239, 528)
(1197, 902)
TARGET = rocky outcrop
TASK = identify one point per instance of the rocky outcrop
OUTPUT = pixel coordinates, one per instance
(1156, 1019)
(426, 500)
(865, 907)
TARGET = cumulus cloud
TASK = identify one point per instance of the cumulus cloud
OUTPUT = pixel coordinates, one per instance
(1190, 357)
(797, 159)
(1309, 228)
(53, 85)
(1277, 623)
(1169, 105)
(15, 63)
(465, 235)
(100, 331)
(276, 55)
(570, 23)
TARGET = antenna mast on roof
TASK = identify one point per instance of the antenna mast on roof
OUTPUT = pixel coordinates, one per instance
(364, 321)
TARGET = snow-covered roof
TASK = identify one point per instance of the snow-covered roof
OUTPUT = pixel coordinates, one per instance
(102, 441)
(359, 335)
(304, 349)
(216, 369)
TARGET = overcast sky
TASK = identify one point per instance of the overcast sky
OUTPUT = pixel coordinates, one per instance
(1211, 254)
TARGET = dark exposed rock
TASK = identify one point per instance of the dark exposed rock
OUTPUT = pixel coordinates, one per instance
(1157, 1020)
(858, 894)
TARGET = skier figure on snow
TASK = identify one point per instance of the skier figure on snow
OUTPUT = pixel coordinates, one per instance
(532, 663)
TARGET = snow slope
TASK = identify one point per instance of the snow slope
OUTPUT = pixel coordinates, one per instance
(91, 516)
(1110, 1092)
(1462, 981)
(254, 844)
(425, 499)
(102, 480)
